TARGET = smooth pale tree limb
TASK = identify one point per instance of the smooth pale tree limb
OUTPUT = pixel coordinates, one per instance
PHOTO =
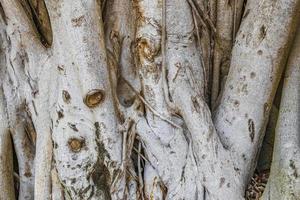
(87, 144)
(30, 61)
(257, 62)
(284, 182)
(43, 157)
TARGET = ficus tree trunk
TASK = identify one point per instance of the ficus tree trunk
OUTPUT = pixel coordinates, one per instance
(149, 99)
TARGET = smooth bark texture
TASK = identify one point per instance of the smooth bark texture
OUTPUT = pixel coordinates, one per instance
(257, 63)
(285, 181)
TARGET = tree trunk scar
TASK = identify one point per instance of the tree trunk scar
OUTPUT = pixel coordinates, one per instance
(251, 129)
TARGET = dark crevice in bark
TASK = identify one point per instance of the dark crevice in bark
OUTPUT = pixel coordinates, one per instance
(37, 13)
(2, 14)
(100, 175)
(16, 171)
(259, 180)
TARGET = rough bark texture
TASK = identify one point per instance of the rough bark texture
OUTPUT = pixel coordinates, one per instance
(147, 99)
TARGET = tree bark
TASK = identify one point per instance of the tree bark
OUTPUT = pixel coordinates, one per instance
(146, 99)
(284, 181)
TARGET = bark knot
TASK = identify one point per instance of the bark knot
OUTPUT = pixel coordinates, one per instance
(76, 22)
(66, 96)
(76, 144)
(94, 98)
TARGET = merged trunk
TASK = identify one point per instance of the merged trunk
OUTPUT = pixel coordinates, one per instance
(118, 108)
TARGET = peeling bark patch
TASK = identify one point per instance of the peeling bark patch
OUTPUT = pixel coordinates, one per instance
(60, 114)
(100, 127)
(293, 167)
(100, 175)
(61, 68)
(27, 170)
(148, 49)
(251, 129)
(260, 52)
(78, 21)
(94, 98)
(244, 157)
(3, 15)
(101, 178)
(55, 145)
(222, 181)
(236, 103)
(266, 109)
(75, 144)
(152, 70)
(30, 130)
(73, 127)
(150, 95)
(66, 96)
(236, 169)
(243, 88)
(246, 13)
(37, 13)
(196, 105)
(262, 32)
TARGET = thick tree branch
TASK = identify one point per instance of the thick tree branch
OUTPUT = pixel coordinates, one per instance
(258, 57)
(284, 180)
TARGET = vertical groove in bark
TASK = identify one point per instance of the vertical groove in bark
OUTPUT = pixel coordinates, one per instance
(204, 16)
(37, 13)
(6, 154)
(227, 23)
